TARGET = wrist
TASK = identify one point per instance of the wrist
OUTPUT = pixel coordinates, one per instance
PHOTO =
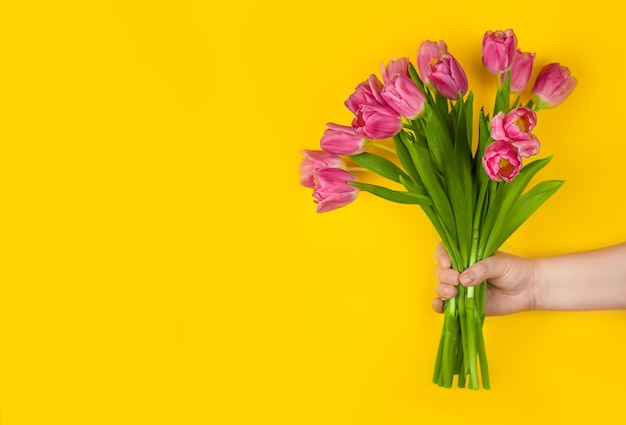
(538, 296)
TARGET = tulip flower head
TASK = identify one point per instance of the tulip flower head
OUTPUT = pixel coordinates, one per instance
(404, 96)
(342, 140)
(498, 50)
(516, 124)
(313, 161)
(376, 122)
(332, 189)
(399, 66)
(502, 161)
(516, 127)
(428, 54)
(527, 145)
(367, 92)
(552, 86)
(520, 71)
(448, 78)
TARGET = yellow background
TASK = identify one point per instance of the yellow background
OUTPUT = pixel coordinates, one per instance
(160, 264)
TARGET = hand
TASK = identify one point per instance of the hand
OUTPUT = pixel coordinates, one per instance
(510, 282)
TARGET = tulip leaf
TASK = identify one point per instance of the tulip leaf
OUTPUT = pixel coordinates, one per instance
(484, 137)
(462, 119)
(439, 140)
(412, 187)
(526, 205)
(441, 106)
(405, 157)
(379, 165)
(503, 96)
(416, 79)
(441, 215)
(505, 198)
(393, 195)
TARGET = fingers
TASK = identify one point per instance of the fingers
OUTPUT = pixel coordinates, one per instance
(438, 305)
(488, 268)
(447, 276)
(445, 291)
(442, 256)
(444, 271)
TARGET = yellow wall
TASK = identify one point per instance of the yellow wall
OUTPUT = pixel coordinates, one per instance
(160, 263)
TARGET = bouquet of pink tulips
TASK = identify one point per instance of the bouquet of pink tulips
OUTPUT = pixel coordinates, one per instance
(471, 185)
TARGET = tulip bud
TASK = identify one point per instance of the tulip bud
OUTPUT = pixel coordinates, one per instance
(404, 96)
(552, 86)
(520, 71)
(342, 140)
(399, 66)
(502, 161)
(448, 78)
(315, 160)
(498, 50)
(367, 92)
(376, 122)
(332, 189)
(428, 54)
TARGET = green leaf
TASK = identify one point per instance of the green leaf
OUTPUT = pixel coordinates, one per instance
(484, 138)
(400, 140)
(469, 119)
(505, 198)
(412, 187)
(416, 79)
(439, 139)
(441, 106)
(393, 195)
(503, 96)
(379, 165)
(526, 205)
(442, 216)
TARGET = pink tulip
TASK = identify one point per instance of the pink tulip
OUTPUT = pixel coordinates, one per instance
(502, 161)
(448, 78)
(513, 125)
(428, 54)
(552, 86)
(527, 145)
(520, 71)
(342, 140)
(332, 189)
(315, 160)
(498, 50)
(399, 66)
(404, 96)
(367, 92)
(516, 127)
(376, 122)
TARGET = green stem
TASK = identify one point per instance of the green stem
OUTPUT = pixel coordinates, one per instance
(439, 360)
(482, 356)
(471, 338)
(450, 343)
(463, 323)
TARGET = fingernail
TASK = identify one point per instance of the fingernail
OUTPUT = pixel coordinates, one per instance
(467, 279)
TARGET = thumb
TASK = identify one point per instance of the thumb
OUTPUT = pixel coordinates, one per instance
(489, 268)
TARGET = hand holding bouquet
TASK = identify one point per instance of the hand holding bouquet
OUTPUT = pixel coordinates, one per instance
(472, 187)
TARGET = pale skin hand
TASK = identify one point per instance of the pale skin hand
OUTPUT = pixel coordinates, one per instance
(592, 280)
